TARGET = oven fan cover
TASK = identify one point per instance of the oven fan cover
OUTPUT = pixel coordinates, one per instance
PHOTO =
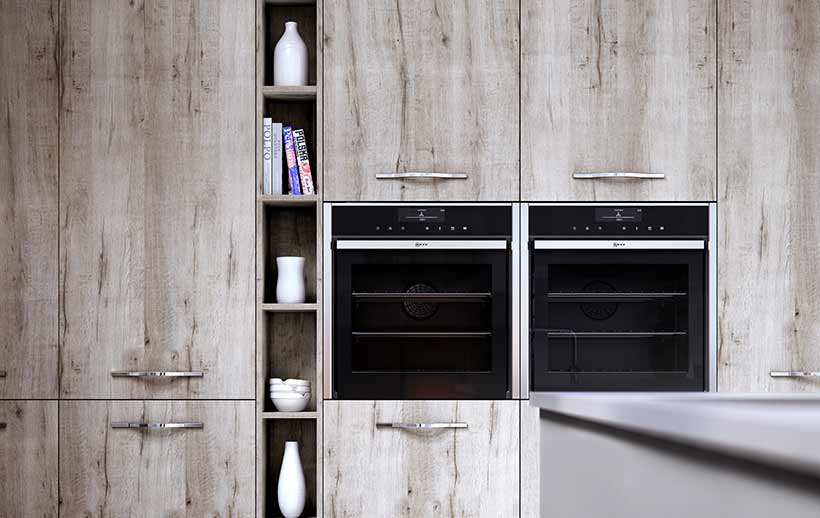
(417, 309)
(599, 310)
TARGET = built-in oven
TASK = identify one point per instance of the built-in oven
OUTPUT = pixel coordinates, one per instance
(418, 301)
(620, 297)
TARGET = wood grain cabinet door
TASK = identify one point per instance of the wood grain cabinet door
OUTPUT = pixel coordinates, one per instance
(372, 470)
(29, 93)
(120, 472)
(769, 222)
(618, 86)
(157, 197)
(421, 86)
(28, 459)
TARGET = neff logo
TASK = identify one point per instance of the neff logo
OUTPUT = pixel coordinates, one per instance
(617, 244)
(420, 244)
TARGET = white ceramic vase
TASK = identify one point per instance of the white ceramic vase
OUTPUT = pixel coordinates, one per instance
(290, 59)
(290, 281)
(291, 490)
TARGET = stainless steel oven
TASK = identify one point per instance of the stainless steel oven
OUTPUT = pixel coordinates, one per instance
(418, 301)
(621, 297)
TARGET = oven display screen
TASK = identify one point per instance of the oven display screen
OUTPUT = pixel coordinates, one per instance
(617, 215)
(421, 214)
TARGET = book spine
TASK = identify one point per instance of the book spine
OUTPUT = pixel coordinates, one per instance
(290, 154)
(277, 158)
(303, 158)
(267, 178)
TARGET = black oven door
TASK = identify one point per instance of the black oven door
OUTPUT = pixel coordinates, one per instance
(614, 315)
(421, 323)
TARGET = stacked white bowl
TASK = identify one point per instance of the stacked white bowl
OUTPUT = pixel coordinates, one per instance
(290, 395)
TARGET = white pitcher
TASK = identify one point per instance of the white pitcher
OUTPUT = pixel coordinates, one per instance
(290, 59)
(291, 490)
(290, 281)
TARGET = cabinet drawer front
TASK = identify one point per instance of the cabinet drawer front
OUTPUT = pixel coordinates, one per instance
(615, 91)
(421, 87)
(28, 459)
(372, 468)
(157, 471)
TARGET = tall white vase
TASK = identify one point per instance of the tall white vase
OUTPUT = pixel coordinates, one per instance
(290, 59)
(290, 281)
(291, 490)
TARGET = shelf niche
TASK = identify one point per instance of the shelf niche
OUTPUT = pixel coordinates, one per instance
(290, 231)
(290, 352)
(275, 433)
(276, 14)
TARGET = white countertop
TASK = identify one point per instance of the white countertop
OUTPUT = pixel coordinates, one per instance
(778, 429)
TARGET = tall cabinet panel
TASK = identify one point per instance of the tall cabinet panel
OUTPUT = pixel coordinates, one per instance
(377, 463)
(769, 285)
(618, 86)
(28, 459)
(157, 197)
(423, 87)
(29, 94)
(110, 467)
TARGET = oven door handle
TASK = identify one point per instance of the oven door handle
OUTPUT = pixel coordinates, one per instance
(617, 244)
(422, 244)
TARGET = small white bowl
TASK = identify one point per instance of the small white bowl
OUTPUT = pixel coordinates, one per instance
(291, 403)
(297, 382)
(276, 381)
(297, 390)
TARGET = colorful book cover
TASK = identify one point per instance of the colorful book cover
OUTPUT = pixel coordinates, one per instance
(267, 156)
(303, 159)
(290, 154)
(277, 157)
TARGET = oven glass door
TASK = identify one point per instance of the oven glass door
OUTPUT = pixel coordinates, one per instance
(421, 324)
(618, 319)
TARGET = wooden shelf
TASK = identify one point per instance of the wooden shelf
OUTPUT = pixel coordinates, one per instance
(289, 415)
(290, 308)
(287, 200)
(289, 93)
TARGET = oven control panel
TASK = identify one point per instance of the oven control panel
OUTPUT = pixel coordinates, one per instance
(621, 220)
(430, 221)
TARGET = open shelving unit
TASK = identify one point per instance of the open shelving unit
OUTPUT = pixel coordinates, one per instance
(288, 336)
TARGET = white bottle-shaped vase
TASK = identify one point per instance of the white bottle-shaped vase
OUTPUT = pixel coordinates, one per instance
(290, 59)
(291, 490)
(290, 280)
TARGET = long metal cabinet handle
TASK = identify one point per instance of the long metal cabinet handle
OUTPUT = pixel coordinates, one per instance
(794, 374)
(421, 426)
(2, 374)
(616, 244)
(195, 425)
(441, 176)
(421, 244)
(157, 374)
(2, 426)
(619, 174)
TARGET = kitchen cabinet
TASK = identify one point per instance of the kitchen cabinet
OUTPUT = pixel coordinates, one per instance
(28, 459)
(769, 224)
(613, 86)
(157, 198)
(373, 470)
(108, 471)
(530, 462)
(421, 86)
(29, 93)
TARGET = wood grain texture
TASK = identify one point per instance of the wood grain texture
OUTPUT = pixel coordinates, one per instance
(181, 473)
(29, 94)
(421, 86)
(769, 224)
(530, 462)
(157, 197)
(28, 459)
(371, 471)
(618, 85)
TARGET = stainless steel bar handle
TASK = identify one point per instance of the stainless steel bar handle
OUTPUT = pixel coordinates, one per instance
(2, 426)
(423, 175)
(794, 374)
(2, 374)
(618, 174)
(195, 425)
(432, 244)
(421, 426)
(157, 374)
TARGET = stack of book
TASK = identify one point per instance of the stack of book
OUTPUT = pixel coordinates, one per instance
(285, 145)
